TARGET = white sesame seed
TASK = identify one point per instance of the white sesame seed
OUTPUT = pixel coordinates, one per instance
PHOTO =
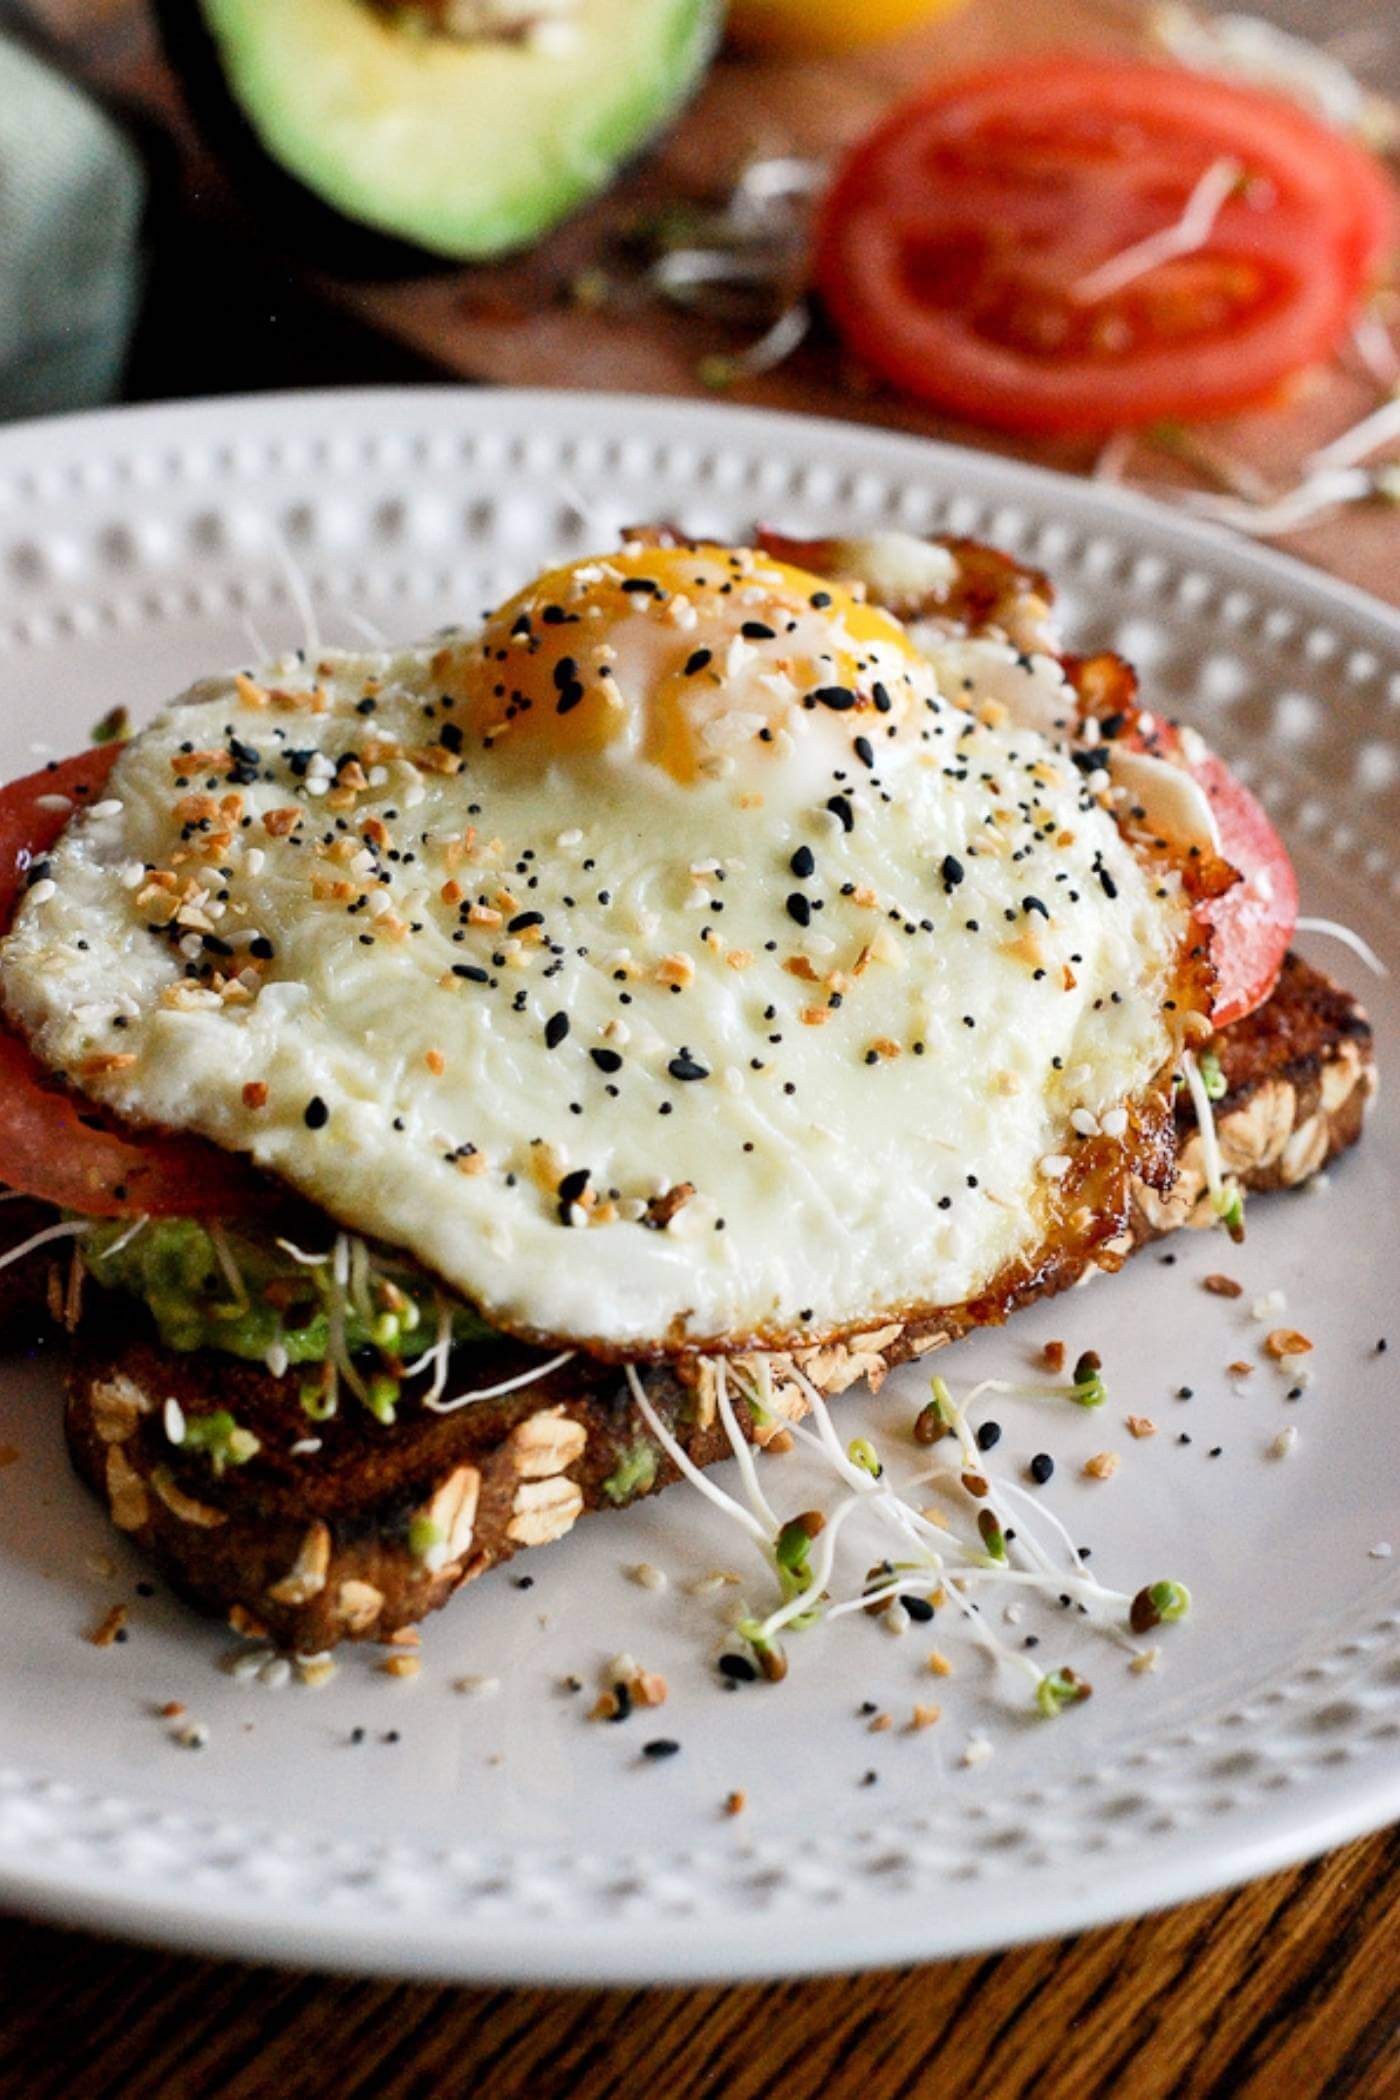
(1285, 1443)
(174, 1419)
(276, 1673)
(1381, 1550)
(1114, 1122)
(246, 1663)
(977, 1750)
(1269, 1306)
(110, 808)
(54, 804)
(192, 1737)
(41, 891)
(895, 1618)
(306, 1446)
(569, 838)
(621, 1670)
(1053, 1166)
(1085, 1122)
(477, 1687)
(648, 1577)
(255, 860)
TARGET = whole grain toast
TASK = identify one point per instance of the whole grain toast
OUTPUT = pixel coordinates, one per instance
(348, 1529)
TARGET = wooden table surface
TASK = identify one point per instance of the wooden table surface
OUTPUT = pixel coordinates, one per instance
(1283, 1990)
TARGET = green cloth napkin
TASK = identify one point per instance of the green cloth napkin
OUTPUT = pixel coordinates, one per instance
(71, 195)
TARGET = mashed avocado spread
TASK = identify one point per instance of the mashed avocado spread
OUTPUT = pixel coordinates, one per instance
(247, 1294)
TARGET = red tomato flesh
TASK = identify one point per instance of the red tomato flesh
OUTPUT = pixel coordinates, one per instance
(1252, 923)
(957, 248)
(53, 1145)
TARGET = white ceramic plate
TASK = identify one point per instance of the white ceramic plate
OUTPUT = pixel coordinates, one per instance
(508, 1837)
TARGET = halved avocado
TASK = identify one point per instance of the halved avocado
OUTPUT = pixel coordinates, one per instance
(467, 148)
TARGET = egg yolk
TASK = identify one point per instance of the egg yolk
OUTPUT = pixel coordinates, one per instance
(683, 656)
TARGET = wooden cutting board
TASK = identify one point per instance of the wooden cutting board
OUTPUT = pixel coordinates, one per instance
(517, 324)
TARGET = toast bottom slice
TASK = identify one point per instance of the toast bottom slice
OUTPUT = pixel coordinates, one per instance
(352, 1530)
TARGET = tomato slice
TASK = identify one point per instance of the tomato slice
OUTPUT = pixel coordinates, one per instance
(53, 1145)
(958, 247)
(28, 828)
(1252, 923)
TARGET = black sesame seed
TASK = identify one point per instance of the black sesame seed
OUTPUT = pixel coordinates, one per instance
(803, 862)
(686, 1067)
(798, 909)
(661, 1746)
(952, 871)
(918, 1608)
(471, 972)
(757, 631)
(988, 1436)
(315, 1115)
(1041, 1468)
(865, 751)
(555, 1030)
(841, 809)
(737, 1668)
(696, 661)
(606, 1060)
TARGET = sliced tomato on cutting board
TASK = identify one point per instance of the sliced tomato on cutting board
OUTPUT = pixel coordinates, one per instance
(53, 1145)
(963, 249)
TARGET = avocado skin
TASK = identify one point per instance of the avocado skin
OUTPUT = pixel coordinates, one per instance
(297, 220)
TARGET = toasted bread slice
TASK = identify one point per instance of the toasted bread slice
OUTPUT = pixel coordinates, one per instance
(351, 1530)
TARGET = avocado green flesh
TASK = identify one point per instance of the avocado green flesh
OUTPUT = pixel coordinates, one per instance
(173, 1266)
(467, 149)
(634, 1473)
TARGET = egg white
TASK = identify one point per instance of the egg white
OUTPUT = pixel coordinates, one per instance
(847, 1144)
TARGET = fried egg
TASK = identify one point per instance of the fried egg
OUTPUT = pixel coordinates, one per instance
(687, 957)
